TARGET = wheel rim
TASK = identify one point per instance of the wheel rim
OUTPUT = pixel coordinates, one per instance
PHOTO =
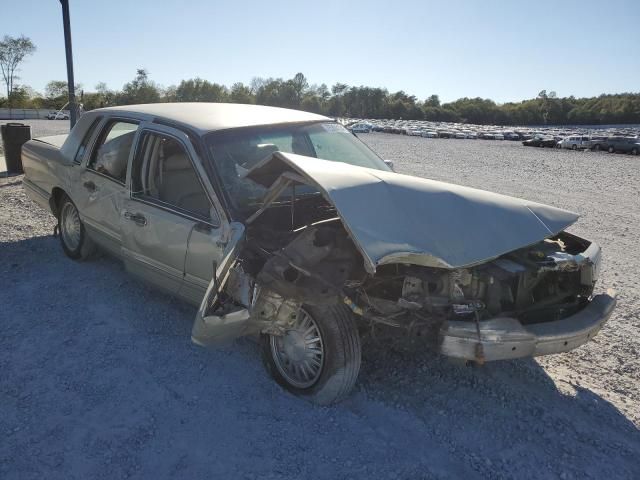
(70, 226)
(299, 353)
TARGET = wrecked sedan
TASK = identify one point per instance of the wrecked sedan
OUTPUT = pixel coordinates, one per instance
(283, 225)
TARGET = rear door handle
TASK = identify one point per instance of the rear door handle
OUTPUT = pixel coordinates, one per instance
(90, 186)
(136, 218)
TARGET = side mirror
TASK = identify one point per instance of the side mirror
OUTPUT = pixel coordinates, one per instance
(390, 165)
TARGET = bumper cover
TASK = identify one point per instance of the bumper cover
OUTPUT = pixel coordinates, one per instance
(506, 338)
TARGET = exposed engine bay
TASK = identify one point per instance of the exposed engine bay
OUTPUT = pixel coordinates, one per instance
(297, 252)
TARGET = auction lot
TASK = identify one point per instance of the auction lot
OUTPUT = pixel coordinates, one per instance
(99, 379)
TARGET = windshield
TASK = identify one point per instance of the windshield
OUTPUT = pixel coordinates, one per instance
(235, 152)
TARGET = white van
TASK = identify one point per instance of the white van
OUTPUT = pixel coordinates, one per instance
(576, 142)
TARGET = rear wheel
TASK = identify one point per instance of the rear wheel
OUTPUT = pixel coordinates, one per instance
(73, 237)
(596, 147)
(634, 151)
(574, 147)
(611, 149)
(318, 357)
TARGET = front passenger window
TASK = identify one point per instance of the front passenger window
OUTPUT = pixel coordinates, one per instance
(163, 172)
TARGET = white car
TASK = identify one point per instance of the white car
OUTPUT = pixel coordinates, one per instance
(57, 115)
(429, 134)
(360, 128)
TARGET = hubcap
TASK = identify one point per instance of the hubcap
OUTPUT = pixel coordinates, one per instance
(299, 353)
(70, 226)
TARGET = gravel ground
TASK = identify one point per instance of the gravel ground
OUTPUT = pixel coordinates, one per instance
(98, 378)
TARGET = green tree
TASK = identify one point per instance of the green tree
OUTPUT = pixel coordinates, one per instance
(300, 86)
(432, 101)
(199, 90)
(13, 51)
(139, 90)
(240, 93)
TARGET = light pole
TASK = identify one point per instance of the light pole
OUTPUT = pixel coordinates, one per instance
(73, 111)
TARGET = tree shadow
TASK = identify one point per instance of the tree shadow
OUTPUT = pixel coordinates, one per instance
(507, 411)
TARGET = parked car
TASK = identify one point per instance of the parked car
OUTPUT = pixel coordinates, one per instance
(598, 143)
(510, 135)
(360, 128)
(538, 141)
(278, 223)
(575, 142)
(623, 144)
(414, 132)
(57, 115)
(429, 134)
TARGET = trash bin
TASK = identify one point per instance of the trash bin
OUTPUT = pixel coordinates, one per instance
(14, 135)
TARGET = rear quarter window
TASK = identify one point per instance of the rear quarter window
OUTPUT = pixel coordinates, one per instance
(82, 149)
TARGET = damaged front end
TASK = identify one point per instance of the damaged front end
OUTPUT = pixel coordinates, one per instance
(366, 239)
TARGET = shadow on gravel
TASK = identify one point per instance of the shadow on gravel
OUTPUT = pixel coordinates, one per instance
(510, 413)
(99, 379)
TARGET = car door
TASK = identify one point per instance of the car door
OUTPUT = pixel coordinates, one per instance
(100, 188)
(169, 209)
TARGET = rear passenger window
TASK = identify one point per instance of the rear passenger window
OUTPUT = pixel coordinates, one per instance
(111, 153)
(85, 141)
(163, 172)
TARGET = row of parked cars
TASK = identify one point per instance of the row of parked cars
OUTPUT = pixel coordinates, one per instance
(436, 132)
(623, 139)
(613, 144)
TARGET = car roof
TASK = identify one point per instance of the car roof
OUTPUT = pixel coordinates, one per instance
(207, 117)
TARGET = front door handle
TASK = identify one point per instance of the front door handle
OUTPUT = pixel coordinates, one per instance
(136, 218)
(90, 186)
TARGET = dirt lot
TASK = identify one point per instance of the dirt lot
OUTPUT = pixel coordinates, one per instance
(98, 378)
(41, 128)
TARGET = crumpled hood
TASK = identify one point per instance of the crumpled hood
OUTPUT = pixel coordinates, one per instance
(394, 218)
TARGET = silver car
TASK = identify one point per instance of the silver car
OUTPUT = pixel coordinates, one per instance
(283, 225)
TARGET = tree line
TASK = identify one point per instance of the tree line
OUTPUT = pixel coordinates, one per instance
(342, 100)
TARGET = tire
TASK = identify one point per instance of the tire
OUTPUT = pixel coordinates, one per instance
(340, 361)
(634, 151)
(596, 147)
(75, 242)
(574, 147)
(611, 150)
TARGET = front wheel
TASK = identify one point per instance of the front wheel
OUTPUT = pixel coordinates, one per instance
(318, 357)
(611, 150)
(634, 151)
(73, 237)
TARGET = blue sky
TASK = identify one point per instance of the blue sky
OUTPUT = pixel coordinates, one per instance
(504, 50)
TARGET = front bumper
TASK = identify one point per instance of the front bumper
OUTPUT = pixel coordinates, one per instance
(506, 338)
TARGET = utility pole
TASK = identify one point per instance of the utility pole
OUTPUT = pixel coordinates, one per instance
(73, 111)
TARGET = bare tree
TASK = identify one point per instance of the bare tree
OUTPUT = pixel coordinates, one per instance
(12, 53)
